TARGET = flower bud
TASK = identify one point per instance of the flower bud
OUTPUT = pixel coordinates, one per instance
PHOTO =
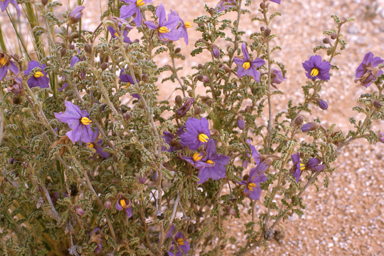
(197, 111)
(230, 211)
(200, 66)
(108, 204)
(144, 78)
(215, 51)
(326, 40)
(377, 104)
(311, 126)
(88, 48)
(262, 5)
(381, 137)
(142, 180)
(75, 15)
(104, 66)
(241, 122)
(177, 50)
(127, 116)
(182, 111)
(44, 2)
(203, 78)
(333, 36)
(79, 210)
(299, 120)
(267, 32)
(248, 110)
(262, 28)
(209, 102)
(71, 47)
(322, 104)
(63, 51)
(178, 100)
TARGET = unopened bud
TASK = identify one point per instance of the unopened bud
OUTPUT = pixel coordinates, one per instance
(177, 50)
(241, 122)
(215, 51)
(262, 28)
(142, 180)
(178, 100)
(144, 78)
(248, 109)
(333, 36)
(299, 120)
(200, 66)
(203, 78)
(262, 5)
(44, 2)
(127, 116)
(63, 51)
(311, 126)
(197, 111)
(267, 32)
(79, 211)
(377, 104)
(326, 40)
(104, 66)
(209, 102)
(71, 47)
(108, 204)
(322, 104)
(230, 211)
(88, 48)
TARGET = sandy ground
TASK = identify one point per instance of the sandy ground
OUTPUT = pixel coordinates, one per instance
(346, 218)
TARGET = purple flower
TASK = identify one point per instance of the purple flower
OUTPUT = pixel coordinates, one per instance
(212, 165)
(297, 166)
(115, 33)
(247, 66)
(4, 5)
(241, 123)
(367, 72)
(255, 155)
(96, 145)
(17, 86)
(197, 133)
(5, 64)
(166, 30)
(125, 78)
(96, 237)
(277, 77)
(314, 165)
(170, 140)
(75, 15)
(142, 180)
(183, 27)
(316, 68)
(180, 245)
(182, 111)
(252, 186)
(39, 79)
(275, 1)
(124, 204)
(225, 4)
(78, 120)
(215, 51)
(128, 11)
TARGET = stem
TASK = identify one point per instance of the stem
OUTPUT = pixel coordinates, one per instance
(2, 119)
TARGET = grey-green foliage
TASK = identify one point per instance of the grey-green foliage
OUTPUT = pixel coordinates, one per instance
(55, 193)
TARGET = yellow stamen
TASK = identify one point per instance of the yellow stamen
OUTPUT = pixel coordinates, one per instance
(302, 166)
(188, 24)
(116, 34)
(38, 74)
(90, 145)
(210, 162)
(140, 2)
(127, 85)
(196, 157)
(85, 121)
(180, 241)
(163, 30)
(122, 203)
(314, 72)
(251, 186)
(246, 65)
(203, 138)
(3, 61)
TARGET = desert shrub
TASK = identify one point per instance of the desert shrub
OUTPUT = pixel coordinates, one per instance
(83, 173)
